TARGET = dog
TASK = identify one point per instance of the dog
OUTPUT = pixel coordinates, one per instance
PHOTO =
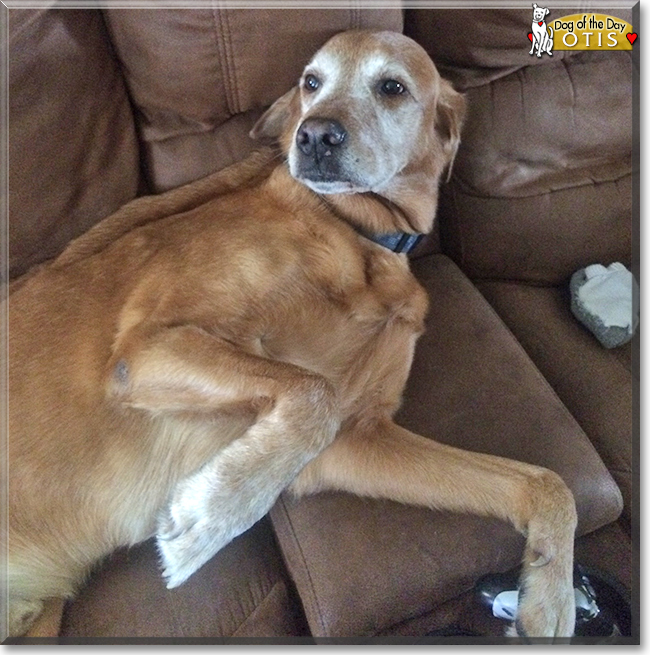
(198, 352)
(542, 36)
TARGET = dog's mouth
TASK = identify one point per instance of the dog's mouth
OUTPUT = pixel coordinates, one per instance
(324, 175)
(330, 187)
(322, 180)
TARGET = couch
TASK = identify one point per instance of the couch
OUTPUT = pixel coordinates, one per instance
(109, 104)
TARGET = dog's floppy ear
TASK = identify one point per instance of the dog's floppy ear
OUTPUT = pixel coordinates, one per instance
(275, 119)
(450, 113)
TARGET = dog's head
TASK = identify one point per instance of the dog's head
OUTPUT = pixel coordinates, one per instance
(370, 115)
(539, 13)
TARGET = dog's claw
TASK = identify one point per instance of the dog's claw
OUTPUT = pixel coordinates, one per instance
(196, 525)
(184, 551)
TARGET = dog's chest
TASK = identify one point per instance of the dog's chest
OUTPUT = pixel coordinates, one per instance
(354, 320)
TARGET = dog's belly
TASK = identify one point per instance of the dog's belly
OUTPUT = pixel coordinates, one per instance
(87, 474)
(76, 499)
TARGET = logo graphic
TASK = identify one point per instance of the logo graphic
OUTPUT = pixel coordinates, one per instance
(541, 36)
(578, 32)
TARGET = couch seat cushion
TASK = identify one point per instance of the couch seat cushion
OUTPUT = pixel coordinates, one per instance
(242, 592)
(363, 565)
(593, 382)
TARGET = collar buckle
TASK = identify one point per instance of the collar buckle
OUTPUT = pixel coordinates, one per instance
(398, 242)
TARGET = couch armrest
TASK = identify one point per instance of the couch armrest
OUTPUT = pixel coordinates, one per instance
(362, 566)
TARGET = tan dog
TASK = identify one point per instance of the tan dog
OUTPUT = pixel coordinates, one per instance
(199, 352)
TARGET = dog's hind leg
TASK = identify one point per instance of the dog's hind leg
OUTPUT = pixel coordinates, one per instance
(187, 370)
(382, 460)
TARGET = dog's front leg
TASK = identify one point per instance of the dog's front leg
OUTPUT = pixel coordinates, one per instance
(187, 370)
(382, 460)
(549, 43)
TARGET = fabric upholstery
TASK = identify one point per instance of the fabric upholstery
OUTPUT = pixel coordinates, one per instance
(542, 182)
(242, 592)
(607, 550)
(529, 201)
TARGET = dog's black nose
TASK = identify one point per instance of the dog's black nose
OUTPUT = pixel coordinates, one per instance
(318, 136)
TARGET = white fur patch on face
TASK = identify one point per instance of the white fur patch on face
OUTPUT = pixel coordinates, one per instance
(327, 68)
(372, 66)
(381, 131)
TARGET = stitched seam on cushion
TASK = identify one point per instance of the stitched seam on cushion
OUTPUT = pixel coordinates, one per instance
(219, 38)
(230, 58)
(565, 410)
(312, 591)
(457, 227)
(469, 191)
(355, 17)
(256, 609)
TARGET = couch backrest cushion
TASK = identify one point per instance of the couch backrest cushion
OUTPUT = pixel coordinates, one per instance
(477, 45)
(199, 78)
(73, 153)
(542, 182)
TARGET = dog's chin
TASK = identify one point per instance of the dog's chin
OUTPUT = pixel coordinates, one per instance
(326, 178)
(331, 187)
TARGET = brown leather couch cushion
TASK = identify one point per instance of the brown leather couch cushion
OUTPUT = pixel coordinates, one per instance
(242, 592)
(200, 77)
(362, 565)
(530, 201)
(528, 239)
(542, 180)
(72, 147)
(593, 382)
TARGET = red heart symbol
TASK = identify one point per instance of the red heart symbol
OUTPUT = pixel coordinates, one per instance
(530, 35)
(631, 37)
(541, 22)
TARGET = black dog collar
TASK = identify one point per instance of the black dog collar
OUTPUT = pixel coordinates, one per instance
(399, 242)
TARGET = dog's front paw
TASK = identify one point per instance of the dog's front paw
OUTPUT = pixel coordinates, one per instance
(191, 531)
(185, 547)
(546, 603)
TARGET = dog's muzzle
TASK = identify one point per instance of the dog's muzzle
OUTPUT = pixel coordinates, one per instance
(319, 143)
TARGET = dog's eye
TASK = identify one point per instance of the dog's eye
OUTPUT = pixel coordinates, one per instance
(392, 88)
(311, 83)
